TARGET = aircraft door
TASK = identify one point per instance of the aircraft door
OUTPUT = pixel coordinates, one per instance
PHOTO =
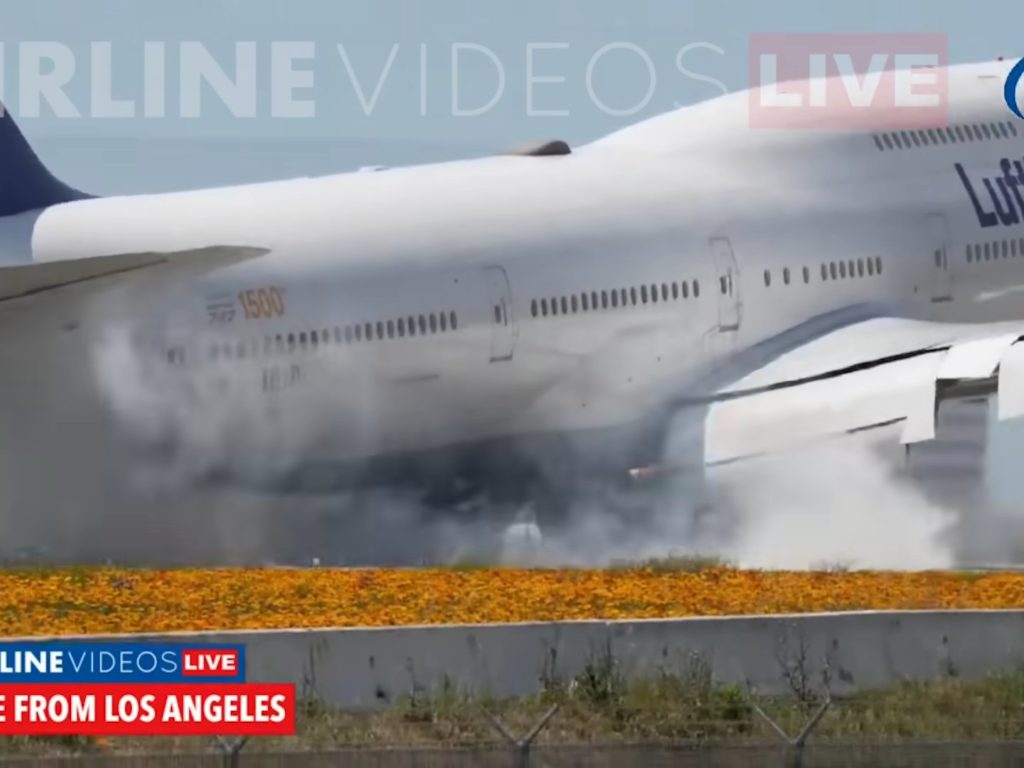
(504, 332)
(730, 307)
(938, 257)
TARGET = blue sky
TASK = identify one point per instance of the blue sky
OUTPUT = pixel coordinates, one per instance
(369, 32)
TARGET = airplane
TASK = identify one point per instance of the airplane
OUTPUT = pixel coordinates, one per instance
(538, 319)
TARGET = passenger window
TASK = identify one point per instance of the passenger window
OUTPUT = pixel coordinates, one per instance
(1013, 248)
(575, 304)
(887, 140)
(932, 136)
(942, 136)
(433, 323)
(785, 275)
(1006, 250)
(585, 302)
(654, 294)
(565, 306)
(291, 342)
(358, 331)
(453, 320)
(686, 290)
(959, 132)
(871, 267)
(807, 275)
(767, 278)
(632, 296)
(313, 338)
(279, 343)
(970, 254)
(624, 296)
(907, 138)
(412, 326)
(604, 299)
(444, 322)
(593, 300)
(724, 285)
(860, 267)
(878, 142)
(533, 307)
(896, 140)
(696, 289)
(544, 307)
(842, 269)
(643, 293)
(985, 130)
(824, 272)
(999, 129)
(1013, 128)
(878, 264)
(401, 327)
(554, 306)
(675, 291)
(348, 333)
(615, 298)
(423, 324)
(833, 270)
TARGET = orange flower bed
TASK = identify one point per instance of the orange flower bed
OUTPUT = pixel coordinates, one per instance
(108, 600)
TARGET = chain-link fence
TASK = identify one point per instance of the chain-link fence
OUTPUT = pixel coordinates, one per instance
(825, 736)
(832, 755)
(599, 718)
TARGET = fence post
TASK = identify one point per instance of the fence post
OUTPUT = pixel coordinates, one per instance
(523, 745)
(232, 750)
(800, 742)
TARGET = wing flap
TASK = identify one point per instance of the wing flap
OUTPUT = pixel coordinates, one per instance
(889, 372)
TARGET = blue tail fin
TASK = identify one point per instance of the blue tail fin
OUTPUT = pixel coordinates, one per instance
(25, 183)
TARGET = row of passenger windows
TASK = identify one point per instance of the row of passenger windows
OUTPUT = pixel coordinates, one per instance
(614, 298)
(833, 270)
(949, 135)
(381, 330)
(995, 249)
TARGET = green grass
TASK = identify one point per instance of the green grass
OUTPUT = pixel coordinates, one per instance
(599, 706)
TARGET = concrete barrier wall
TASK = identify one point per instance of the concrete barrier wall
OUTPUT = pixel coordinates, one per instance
(372, 667)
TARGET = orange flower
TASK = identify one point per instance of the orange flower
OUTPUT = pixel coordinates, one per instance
(110, 600)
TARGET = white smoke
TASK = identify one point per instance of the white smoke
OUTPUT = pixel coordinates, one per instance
(848, 503)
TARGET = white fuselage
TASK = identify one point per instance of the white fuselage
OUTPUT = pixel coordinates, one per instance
(550, 267)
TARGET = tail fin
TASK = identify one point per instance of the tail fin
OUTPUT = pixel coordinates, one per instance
(26, 184)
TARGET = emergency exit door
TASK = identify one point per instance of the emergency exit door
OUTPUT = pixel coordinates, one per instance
(730, 306)
(500, 317)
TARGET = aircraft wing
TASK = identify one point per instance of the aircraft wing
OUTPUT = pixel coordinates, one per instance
(874, 373)
(21, 283)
